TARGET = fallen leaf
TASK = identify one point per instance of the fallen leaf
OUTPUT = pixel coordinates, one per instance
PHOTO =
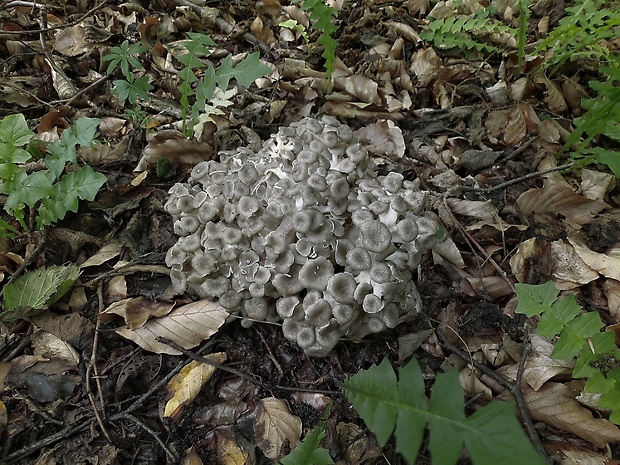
(607, 264)
(188, 326)
(274, 425)
(555, 404)
(228, 450)
(185, 385)
(382, 138)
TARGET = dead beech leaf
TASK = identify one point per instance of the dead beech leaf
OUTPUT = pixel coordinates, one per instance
(607, 264)
(556, 198)
(478, 209)
(70, 42)
(425, 64)
(612, 292)
(274, 425)
(384, 138)
(263, 32)
(188, 326)
(137, 310)
(595, 184)
(555, 404)
(554, 98)
(568, 269)
(109, 251)
(174, 147)
(229, 451)
(185, 385)
(191, 457)
(360, 446)
(516, 129)
(361, 87)
(49, 346)
(540, 367)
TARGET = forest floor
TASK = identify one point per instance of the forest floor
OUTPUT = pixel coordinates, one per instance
(480, 137)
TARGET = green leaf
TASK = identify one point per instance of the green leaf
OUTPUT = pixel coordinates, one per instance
(38, 289)
(33, 187)
(133, 88)
(82, 184)
(535, 299)
(573, 337)
(14, 131)
(555, 318)
(492, 435)
(124, 56)
(603, 344)
(308, 452)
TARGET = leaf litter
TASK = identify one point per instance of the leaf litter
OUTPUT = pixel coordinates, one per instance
(420, 111)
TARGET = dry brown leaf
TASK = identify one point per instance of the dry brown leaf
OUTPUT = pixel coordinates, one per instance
(481, 210)
(70, 42)
(72, 328)
(137, 310)
(47, 345)
(109, 251)
(361, 87)
(404, 30)
(555, 404)
(558, 198)
(612, 292)
(228, 449)
(188, 326)
(261, 31)
(554, 98)
(491, 287)
(382, 138)
(185, 385)
(516, 128)
(568, 269)
(607, 264)
(571, 454)
(274, 425)
(173, 146)
(360, 447)
(449, 251)
(425, 64)
(191, 457)
(540, 367)
(595, 184)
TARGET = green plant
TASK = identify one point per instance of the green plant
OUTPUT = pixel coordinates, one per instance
(47, 192)
(124, 57)
(601, 118)
(468, 32)
(35, 291)
(580, 34)
(324, 17)
(524, 20)
(491, 435)
(309, 451)
(594, 353)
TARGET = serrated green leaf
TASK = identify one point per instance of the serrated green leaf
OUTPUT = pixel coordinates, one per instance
(573, 338)
(14, 131)
(374, 393)
(249, 69)
(492, 435)
(39, 289)
(560, 313)
(603, 344)
(308, 451)
(64, 150)
(32, 188)
(535, 298)
(82, 184)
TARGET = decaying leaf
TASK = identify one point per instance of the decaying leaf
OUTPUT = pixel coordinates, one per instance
(187, 326)
(228, 449)
(382, 138)
(274, 426)
(185, 385)
(540, 367)
(173, 146)
(558, 198)
(607, 264)
(555, 404)
(137, 310)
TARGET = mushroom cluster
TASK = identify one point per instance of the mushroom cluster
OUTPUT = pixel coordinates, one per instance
(302, 232)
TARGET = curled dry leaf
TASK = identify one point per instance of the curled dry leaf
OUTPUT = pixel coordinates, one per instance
(540, 367)
(425, 64)
(185, 385)
(595, 184)
(607, 264)
(174, 147)
(554, 198)
(612, 292)
(361, 87)
(555, 404)
(137, 310)
(274, 425)
(187, 326)
(382, 138)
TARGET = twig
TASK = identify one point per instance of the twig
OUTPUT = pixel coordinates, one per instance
(200, 358)
(92, 367)
(52, 28)
(161, 443)
(514, 387)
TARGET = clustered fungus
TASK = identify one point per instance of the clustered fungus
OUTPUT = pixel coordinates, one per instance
(303, 232)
